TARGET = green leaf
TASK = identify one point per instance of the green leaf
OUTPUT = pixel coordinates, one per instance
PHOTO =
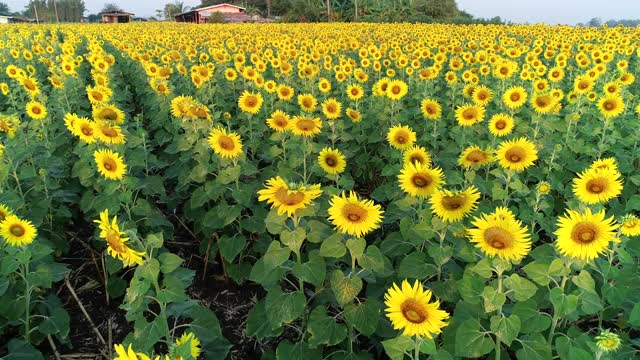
(284, 308)
(538, 271)
(493, 300)
(169, 262)
(563, 304)
(22, 350)
(363, 316)
(149, 270)
(56, 323)
(275, 222)
(584, 281)
(228, 174)
(634, 316)
(154, 241)
(534, 347)
(558, 268)
(258, 324)
(471, 340)
(276, 255)
(333, 247)
(506, 328)
(395, 348)
(230, 247)
(293, 239)
(206, 327)
(372, 259)
(633, 203)
(416, 266)
(318, 231)
(531, 319)
(314, 271)
(566, 350)
(345, 288)
(523, 289)
(356, 247)
(483, 268)
(288, 351)
(323, 329)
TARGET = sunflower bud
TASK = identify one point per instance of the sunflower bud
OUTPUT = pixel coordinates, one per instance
(608, 341)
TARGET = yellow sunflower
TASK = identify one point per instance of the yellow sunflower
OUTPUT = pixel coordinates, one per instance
(250, 102)
(474, 156)
(85, 129)
(607, 163)
(355, 92)
(117, 243)
(180, 106)
(305, 126)
(288, 199)
(307, 102)
(514, 97)
(128, 354)
(454, 206)
(332, 161)
(225, 145)
(517, 155)
(595, 186)
(30, 84)
(109, 113)
(193, 343)
(468, 114)
(17, 232)
(501, 125)
(420, 180)
(331, 108)
(109, 134)
(36, 110)
(110, 164)
(4, 212)
(544, 103)
(99, 94)
(630, 225)
(431, 109)
(585, 235)
(354, 115)
(416, 154)
(353, 216)
(401, 137)
(396, 89)
(481, 95)
(501, 236)
(611, 106)
(279, 121)
(285, 93)
(409, 309)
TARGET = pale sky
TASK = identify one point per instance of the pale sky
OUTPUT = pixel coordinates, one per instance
(519, 11)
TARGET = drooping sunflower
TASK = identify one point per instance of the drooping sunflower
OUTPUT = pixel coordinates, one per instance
(110, 164)
(288, 199)
(332, 161)
(117, 246)
(279, 121)
(355, 92)
(250, 102)
(305, 126)
(409, 309)
(30, 84)
(225, 145)
(108, 113)
(630, 225)
(180, 106)
(469, 114)
(482, 95)
(17, 232)
(354, 115)
(416, 154)
(331, 108)
(475, 156)
(307, 102)
(36, 110)
(109, 134)
(85, 129)
(595, 186)
(396, 89)
(431, 109)
(401, 137)
(607, 163)
(585, 235)
(454, 206)
(611, 106)
(501, 125)
(517, 155)
(543, 103)
(353, 216)
(420, 180)
(501, 236)
(515, 97)
(193, 343)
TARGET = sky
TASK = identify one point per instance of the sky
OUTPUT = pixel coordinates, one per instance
(518, 11)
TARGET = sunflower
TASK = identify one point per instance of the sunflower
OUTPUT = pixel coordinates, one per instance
(543, 103)
(4, 212)
(630, 225)
(109, 113)
(1, 156)
(288, 199)
(353, 216)
(420, 180)
(109, 134)
(279, 121)
(354, 115)
(110, 164)
(607, 341)
(517, 155)
(474, 156)
(70, 121)
(36, 110)
(226, 145)
(396, 89)
(332, 161)
(612, 88)
(128, 354)
(543, 188)
(431, 109)
(468, 114)
(501, 125)
(305, 126)
(514, 97)
(597, 185)
(17, 232)
(98, 94)
(250, 102)
(416, 154)
(586, 235)
(409, 309)
(85, 129)
(193, 343)
(30, 84)
(611, 106)
(285, 93)
(117, 243)
(454, 206)
(355, 92)
(482, 95)
(501, 236)
(331, 108)
(401, 137)
(607, 163)
(307, 102)
(324, 85)
(180, 106)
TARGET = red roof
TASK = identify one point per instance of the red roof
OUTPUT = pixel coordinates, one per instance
(217, 6)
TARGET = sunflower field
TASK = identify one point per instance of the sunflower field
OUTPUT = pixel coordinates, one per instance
(319, 191)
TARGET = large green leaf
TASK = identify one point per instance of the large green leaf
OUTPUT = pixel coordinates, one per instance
(472, 340)
(323, 329)
(284, 307)
(345, 288)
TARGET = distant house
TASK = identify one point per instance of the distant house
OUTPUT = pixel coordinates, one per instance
(230, 13)
(4, 19)
(116, 17)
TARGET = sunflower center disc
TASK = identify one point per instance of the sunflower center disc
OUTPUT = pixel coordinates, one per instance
(608, 106)
(17, 230)
(500, 124)
(226, 143)
(331, 161)
(414, 312)
(421, 181)
(400, 139)
(584, 233)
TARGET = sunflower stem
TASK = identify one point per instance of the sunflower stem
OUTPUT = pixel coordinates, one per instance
(603, 138)
(416, 355)
(556, 318)
(27, 300)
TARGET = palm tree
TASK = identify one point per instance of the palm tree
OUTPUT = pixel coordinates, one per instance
(174, 8)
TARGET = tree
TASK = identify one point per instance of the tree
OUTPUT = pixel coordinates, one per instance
(55, 10)
(437, 9)
(594, 22)
(4, 9)
(171, 9)
(111, 7)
